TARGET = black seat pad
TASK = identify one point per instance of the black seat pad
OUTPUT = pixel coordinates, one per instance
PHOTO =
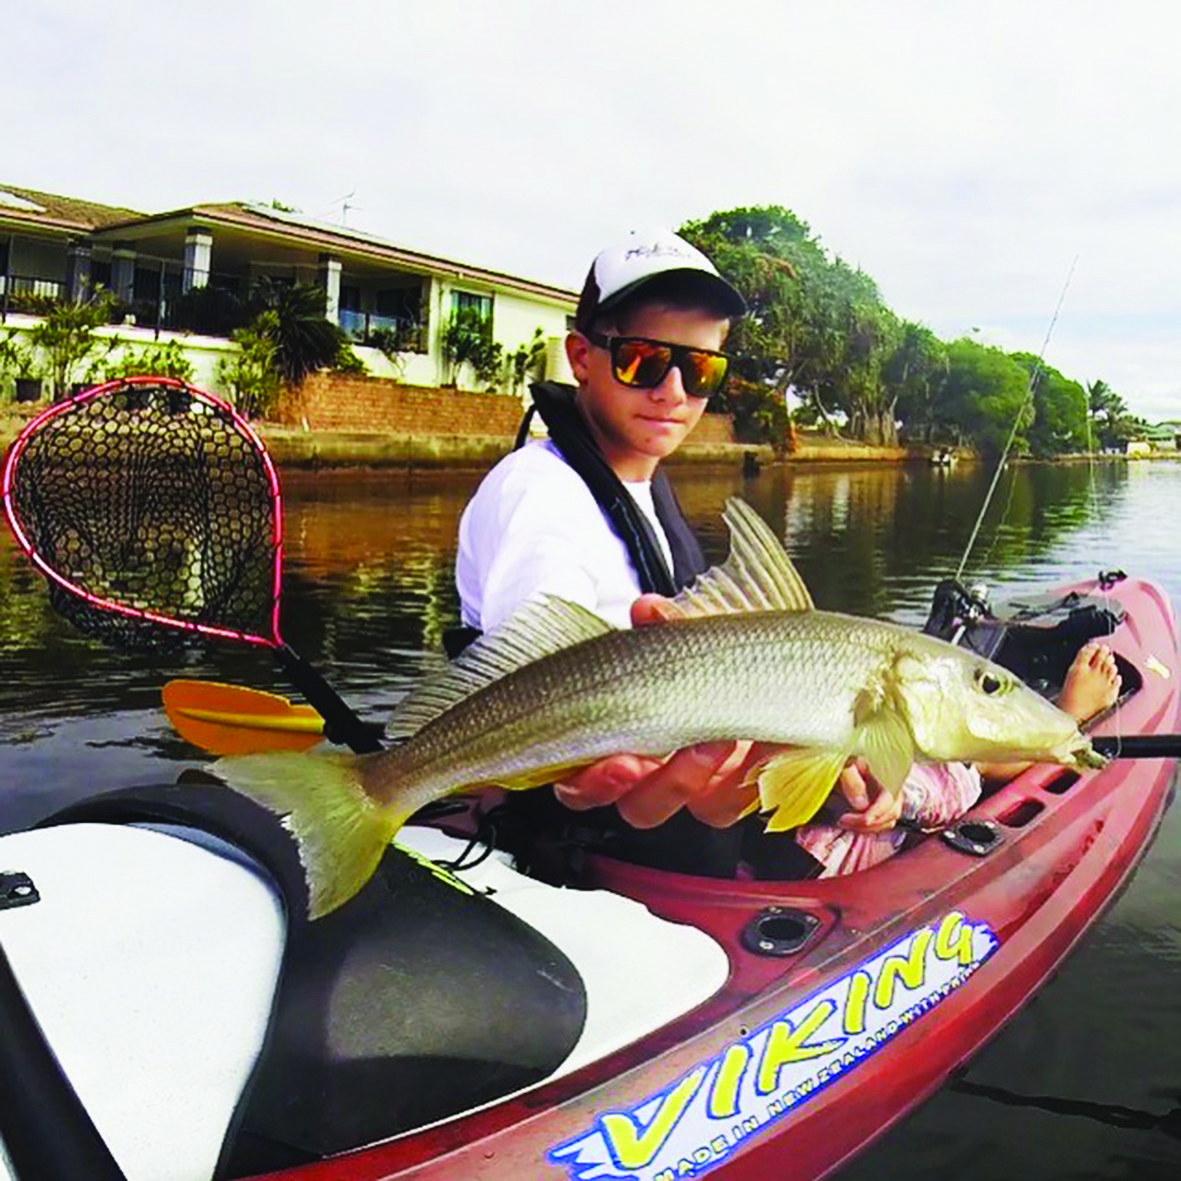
(415, 1000)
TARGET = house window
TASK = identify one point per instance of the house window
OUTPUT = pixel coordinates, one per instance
(147, 284)
(467, 301)
(401, 303)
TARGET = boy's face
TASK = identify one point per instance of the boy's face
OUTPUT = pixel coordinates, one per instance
(636, 428)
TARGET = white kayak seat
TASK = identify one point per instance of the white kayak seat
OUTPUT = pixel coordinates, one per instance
(157, 1042)
(640, 971)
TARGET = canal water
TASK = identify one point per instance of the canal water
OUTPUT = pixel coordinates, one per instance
(1084, 1083)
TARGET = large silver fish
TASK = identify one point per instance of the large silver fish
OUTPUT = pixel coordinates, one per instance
(556, 688)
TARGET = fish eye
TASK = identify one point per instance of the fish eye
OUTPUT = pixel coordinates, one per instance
(989, 682)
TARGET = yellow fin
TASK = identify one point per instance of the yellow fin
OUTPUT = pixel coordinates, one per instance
(888, 748)
(794, 785)
(540, 776)
(341, 833)
(757, 576)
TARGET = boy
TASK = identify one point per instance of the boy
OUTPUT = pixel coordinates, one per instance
(587, 514)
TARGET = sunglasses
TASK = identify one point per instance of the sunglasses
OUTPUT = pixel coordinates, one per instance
(643, 364)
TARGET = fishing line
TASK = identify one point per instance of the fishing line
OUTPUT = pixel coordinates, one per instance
(1033, 380)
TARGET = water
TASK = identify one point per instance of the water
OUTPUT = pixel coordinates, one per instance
(1078, 1085)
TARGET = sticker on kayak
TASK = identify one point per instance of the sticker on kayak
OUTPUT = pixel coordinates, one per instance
(695, 1124)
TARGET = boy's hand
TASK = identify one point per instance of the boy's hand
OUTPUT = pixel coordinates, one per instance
(873, 808)
(709, 779)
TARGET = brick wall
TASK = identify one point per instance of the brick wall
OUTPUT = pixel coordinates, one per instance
(713, 428)
(375, 405)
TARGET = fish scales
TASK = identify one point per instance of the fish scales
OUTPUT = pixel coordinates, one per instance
(788, 677)
(554, 688)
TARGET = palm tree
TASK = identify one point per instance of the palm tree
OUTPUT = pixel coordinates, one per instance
(304, 339)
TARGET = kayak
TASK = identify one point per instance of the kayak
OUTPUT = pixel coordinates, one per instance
(476, 1022)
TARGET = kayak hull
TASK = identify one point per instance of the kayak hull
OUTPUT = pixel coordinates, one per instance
(1068, 843)
(848, 1000)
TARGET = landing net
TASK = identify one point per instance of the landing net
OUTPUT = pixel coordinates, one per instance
(154, 511)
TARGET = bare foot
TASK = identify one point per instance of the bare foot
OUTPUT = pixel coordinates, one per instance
(1092, 682)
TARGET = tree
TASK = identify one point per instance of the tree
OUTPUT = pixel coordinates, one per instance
(1059, 409)
(161, 360)
(467, 340)
(984, 394)
(527, 363)
(303, 339)
(1111, 425)
(250, 375)
(761, 251)
(815, 324)
(66, 339)
(915, 371)
(866, 335)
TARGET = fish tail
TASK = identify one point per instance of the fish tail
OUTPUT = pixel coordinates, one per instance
(340, 831)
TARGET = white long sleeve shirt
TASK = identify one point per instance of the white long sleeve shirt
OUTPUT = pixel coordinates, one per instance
(533, 528)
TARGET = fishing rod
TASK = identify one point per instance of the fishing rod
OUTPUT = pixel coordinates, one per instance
(1033, 380)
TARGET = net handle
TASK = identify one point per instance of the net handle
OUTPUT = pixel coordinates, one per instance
(341, 723)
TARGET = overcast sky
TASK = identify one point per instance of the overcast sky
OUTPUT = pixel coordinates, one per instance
(963, 154)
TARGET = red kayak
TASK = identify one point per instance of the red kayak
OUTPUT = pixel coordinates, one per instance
(849, 1000)
(737, 1029)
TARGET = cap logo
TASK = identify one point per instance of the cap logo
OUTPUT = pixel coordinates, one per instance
(656, 250)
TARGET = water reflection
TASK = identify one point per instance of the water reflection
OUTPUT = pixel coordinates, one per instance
(368, 590)
(368, 586)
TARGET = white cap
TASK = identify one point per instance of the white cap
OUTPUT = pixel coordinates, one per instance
(620, 270)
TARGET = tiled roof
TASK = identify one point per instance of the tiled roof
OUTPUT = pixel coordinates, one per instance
(69, 213)
(70, 210)
(325, 236)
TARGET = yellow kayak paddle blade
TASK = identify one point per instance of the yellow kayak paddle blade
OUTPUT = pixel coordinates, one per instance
(231, 720)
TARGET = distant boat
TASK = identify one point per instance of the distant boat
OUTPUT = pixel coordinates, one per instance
(944, 458)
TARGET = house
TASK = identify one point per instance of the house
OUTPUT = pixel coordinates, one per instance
(184, 275)
(1164, 438)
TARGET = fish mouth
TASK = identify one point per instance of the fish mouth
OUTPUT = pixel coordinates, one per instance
(1087, 758)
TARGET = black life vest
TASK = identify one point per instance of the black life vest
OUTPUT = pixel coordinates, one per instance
(568, 431)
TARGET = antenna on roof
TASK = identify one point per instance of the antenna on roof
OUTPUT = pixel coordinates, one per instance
(345, 206)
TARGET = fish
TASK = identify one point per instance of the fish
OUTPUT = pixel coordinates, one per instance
(555, 688)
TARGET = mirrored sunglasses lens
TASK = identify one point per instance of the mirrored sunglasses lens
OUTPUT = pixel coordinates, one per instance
(704, 374)
(640, 363)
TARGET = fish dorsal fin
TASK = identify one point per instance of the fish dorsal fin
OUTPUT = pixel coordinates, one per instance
(757, 576)
(537, 628)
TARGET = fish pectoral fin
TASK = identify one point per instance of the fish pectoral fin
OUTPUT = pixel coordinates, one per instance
(886, 742)
(794, 785)
(341, 833)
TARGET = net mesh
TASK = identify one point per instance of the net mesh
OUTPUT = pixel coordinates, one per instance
(150, 496)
